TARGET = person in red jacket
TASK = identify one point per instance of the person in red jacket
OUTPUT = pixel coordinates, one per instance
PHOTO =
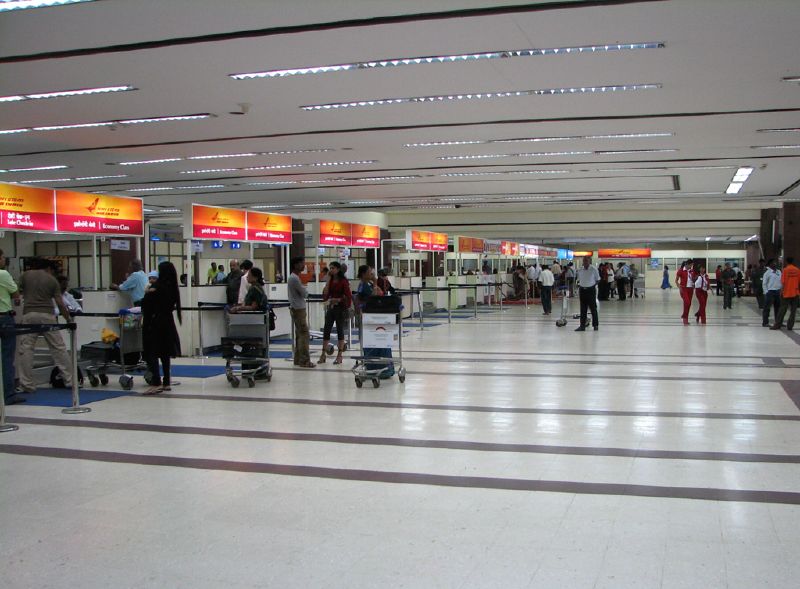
(701, 283)
(685, 280)
(790, 279)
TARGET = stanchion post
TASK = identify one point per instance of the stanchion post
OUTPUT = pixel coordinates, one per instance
(526, 297)
(201, 351)
(501, 296)
(76, 401)
(475, 303)
(4, 427)
(419, 306)
(449, 305)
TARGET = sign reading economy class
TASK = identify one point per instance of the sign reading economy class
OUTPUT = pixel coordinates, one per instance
(365, 235)
(269, 227)
(418, 240)
(100, 214)
(217, 223)
(334, 233)
(469, 245)
(644, 252)
(27, 208)
(438, 242)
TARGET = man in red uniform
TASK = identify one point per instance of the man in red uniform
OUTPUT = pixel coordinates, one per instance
(686, 286)
(790, 279)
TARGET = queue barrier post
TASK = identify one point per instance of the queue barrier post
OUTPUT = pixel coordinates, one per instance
(449, 306)
(526, 298)
(475, 303)
(76, 401)
(201, 347)
(501, 297)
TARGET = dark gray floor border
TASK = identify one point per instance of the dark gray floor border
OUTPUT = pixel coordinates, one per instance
(792, 388)
(561, 354)
(484, 409)
(411, 478)
(416, 443)
(772, 363)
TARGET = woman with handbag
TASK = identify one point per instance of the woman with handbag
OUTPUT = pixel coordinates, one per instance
(701, 284)
(338, 297)
(160, 340)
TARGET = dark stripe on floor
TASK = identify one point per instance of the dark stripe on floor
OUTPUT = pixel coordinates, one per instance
(416, 443)
(484, 409)
(411, 478)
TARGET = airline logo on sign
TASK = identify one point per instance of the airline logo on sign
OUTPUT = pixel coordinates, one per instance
(438, 242)
(218, 223)
(334, 233)
(77, 212)
(27, 208)
(418, 240)
(269, 227)
(366, 235)
(625, 253)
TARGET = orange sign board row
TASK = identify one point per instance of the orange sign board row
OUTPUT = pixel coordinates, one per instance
(583, 254)
(338, 233)
(469, 245)
(426, 241)
(509, 248)
(41, 209)
(625, 253)
(209, 222)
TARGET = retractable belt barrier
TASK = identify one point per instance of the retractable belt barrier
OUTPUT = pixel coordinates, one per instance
(38, 328)
(206, 306)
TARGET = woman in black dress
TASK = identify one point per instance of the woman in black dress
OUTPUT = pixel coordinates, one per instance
(160, 339)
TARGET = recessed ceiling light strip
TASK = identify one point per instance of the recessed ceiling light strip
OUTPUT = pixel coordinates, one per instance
(65, 93)
(110, 123)
(36, 169)
(551, 153)
(741, 176)
(540, 139)
(25, 4)
(482, 96)
(775, 147)
(434, 59)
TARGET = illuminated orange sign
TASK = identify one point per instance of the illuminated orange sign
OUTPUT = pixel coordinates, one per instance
(333, 233)
(472, 245)
(269, 227)
(78, 212)
(625, 253)
(365, 235)
(509, 248)
(583, 254)
(418, 240)
(25, 207)
(218, 223)
(438, 242)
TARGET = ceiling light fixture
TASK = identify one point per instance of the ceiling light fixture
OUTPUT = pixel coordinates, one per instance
(111, 123)
(101, 177)
(483, 96)
(65, 93)
(198, 187)
(275, 167)
(541, 139)
(623, 151)
(209, 171)
(434, 59)
(219, 156)
(48, 181)
(353, 163)
(741, 176)
(142, 162)
(791, 79)
(734, 187)
(152, 189)
(25, 4)
(780, 130)
(272, 183)
(369, 202)
(380, 178)
(460, 174)
(268, 207)
(36, 169)
(775, 147)
(315, 204)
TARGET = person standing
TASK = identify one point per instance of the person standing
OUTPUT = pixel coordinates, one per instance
(682, 279)
(244, 285)
(135, 284)
(211, 275)
(220, 277)
(233, 281)
(701, 283)
(160, 339)
(790, 279)
(757, 282)
(718, 276)
(771, 285)
(588, 277)
(665, 279)
(603, 287)
(634, 274)
(546, 281)
(340, 299)
(40, 291)
(299, 312)
(8, 293)
(532, 279)
(728, 284)
(621, 276)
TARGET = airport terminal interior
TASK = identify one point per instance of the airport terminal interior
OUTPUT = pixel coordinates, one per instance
(566, 223)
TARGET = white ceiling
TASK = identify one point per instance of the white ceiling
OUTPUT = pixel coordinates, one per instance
(720, 73)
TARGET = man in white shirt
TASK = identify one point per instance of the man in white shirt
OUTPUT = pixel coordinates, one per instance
(244, 285)
(588, 277)
(546, 281)
(533, 276)
(772, 291)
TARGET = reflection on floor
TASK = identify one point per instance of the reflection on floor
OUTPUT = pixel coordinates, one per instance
(516, 454)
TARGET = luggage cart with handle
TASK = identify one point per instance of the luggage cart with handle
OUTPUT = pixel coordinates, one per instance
(380, 332)
(245, 348)
(99, 359)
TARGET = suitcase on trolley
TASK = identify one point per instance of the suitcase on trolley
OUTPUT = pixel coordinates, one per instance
(387, 369)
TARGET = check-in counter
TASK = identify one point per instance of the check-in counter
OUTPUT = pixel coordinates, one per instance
(211, 320)
(435, 299)
(471, 279)
(404, 283)
(99, 301)
(458, 296)
(283, 319)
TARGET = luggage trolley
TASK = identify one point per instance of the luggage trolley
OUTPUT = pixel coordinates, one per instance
(246, 345)
(380, 332)
(99, 359)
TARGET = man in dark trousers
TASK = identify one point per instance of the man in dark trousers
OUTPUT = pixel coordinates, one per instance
(588, 277)
(233, 283)
(756, 282)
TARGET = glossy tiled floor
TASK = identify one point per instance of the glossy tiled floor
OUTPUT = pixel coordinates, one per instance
(516, 454)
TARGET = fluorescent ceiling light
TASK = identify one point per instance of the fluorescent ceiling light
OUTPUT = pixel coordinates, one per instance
(540, 139)
(101, 177)
(622, 151)
(65, 93)
(198, 187)
(742, 174)
(369, 202)
(141, 162)
(708, 239)
(460, 174)
(153, 189)
(353, 163)
(48, 181)
(210, 171)
(734, 188)
(275, 167)
(110, 123)
(482, 96)
(268, 207)
(25, 4)
(434, 59)
(791, 79)
(314, 204)
(783, 130)
(440, 143)
(219, 156)
(500, 155)
(379, 178)
(271, 183)
(36, 169)
(775, 147)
